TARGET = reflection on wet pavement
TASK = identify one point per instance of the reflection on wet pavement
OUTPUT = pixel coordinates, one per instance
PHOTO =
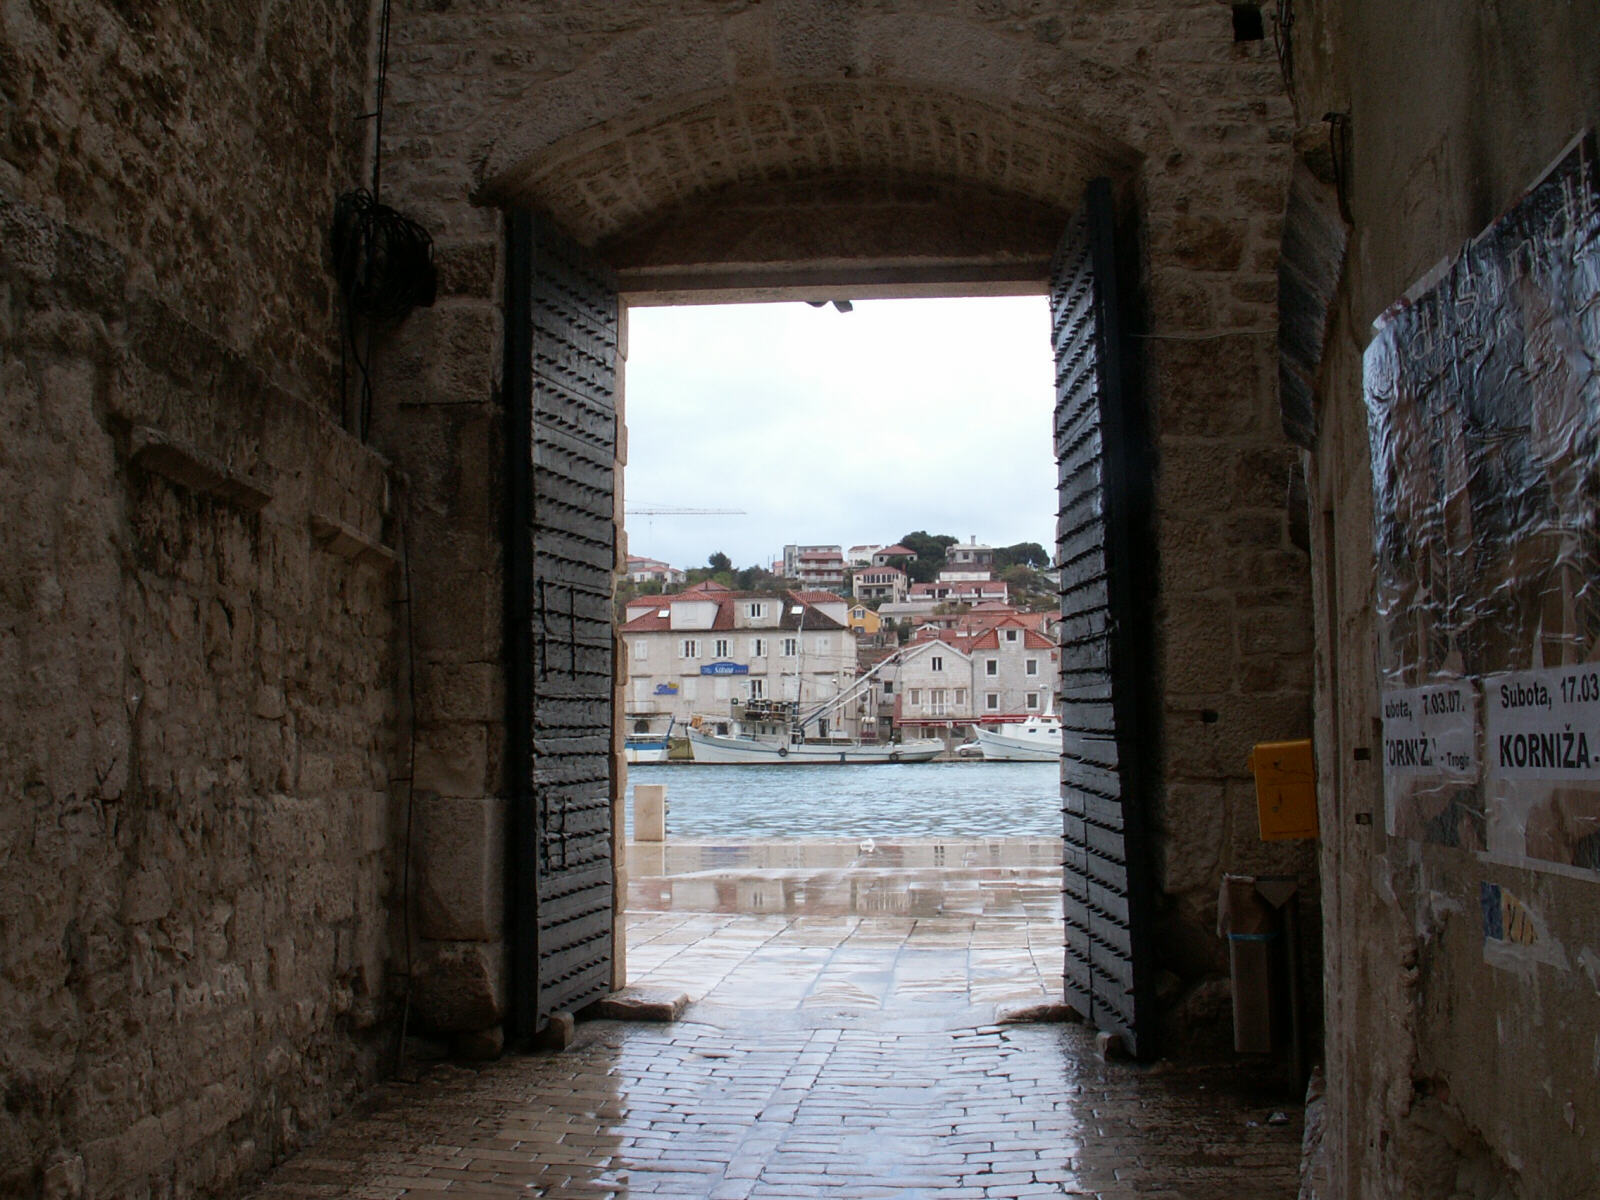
(996, 877)
(751, 1110)
(944, 970)
(840, 1043)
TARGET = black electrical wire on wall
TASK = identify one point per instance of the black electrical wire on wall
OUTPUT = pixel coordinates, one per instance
(382, 261)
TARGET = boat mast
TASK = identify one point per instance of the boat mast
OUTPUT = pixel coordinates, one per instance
(899, 657)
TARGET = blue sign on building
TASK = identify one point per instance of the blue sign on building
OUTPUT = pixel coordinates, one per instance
(725, 668)
(666, 689)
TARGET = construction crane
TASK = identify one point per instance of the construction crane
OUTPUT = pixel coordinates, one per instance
(651, 511)
(675, 510)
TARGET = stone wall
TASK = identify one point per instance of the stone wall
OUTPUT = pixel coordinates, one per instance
(197, 611)
(874, 144)
(1447, 1075)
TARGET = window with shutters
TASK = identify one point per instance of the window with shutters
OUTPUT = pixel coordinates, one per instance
(689, 648)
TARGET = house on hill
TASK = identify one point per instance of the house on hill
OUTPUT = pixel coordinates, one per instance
(887, 555)
(880, 583)
(653, 570)
(960, 591)
(970, 556)
(861, 556)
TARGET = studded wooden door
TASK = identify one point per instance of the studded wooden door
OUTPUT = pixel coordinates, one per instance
(1107, 578)
(561, 437)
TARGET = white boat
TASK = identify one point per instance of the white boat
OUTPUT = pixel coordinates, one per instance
(1036, 739)
(737, 746)
(642, 746)
(770, 732)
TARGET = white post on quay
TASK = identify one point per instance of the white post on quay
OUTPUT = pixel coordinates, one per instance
(650, 812)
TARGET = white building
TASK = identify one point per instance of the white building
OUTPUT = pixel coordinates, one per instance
(960, 591)
(821, 569)
(653, 570)
(861, 556)
(696, 652)
(1015, 672)
(880, 583)
(969, 557)
(932, 688)
(886, 555)
(950, 678)
(793, 552)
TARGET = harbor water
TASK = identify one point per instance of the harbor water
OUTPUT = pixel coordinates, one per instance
(891, 800)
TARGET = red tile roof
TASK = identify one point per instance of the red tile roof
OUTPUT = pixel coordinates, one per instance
(989, 639)
(816, 621)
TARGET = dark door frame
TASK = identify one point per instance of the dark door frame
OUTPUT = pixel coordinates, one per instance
(1127, 473)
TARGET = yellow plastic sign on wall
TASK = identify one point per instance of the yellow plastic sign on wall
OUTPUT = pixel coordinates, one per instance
(1286, 789)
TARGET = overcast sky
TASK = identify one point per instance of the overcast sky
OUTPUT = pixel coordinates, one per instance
(839, 428)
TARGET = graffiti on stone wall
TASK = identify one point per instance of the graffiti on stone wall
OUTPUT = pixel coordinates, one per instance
(1483, 403)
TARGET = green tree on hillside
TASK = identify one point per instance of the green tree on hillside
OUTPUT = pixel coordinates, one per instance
(1023, 554)
(928, 545)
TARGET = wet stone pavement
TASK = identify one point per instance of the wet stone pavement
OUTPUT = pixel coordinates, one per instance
(827, 1052)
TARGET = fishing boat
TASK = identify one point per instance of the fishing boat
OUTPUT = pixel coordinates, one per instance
(1034, 739)
(773, 733)
(644, 745)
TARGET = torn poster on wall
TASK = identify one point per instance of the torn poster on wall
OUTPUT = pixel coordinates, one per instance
(1483, 404)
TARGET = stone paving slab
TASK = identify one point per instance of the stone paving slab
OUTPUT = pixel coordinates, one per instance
(851, 1057)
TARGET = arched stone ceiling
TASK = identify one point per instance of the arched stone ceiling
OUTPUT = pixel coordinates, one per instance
(608, 181)
(638, 125)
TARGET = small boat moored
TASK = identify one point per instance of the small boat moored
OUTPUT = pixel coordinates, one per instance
(642, 745)
(1035, 739)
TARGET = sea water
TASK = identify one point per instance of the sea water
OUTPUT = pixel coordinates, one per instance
(888, 800)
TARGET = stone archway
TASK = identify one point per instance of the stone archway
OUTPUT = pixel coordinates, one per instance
(733, 149)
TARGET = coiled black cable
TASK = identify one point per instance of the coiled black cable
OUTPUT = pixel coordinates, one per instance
(382, 260)
(383, 265)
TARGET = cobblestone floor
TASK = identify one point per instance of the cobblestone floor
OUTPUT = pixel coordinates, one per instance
(846, 1055)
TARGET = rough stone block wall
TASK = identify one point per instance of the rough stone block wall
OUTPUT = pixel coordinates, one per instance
(626, 124)
(1448, 1075)
(197, 607)
(438, 418)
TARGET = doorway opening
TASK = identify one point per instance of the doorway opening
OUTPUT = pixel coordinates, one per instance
(841, 515)
(563, 390)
